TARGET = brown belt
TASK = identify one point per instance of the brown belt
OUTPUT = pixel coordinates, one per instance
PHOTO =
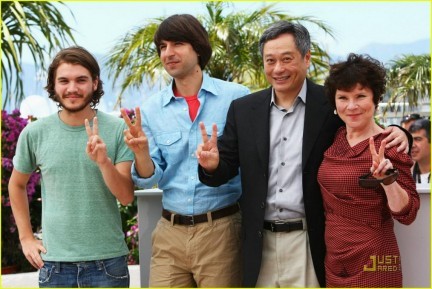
(195, 219)
(278, 226)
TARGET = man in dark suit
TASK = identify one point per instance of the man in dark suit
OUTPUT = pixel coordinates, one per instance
(277, 137)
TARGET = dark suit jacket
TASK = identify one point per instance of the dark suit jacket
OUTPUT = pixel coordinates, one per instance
(245, 144)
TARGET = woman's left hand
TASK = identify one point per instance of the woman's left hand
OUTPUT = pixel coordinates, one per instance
(379, 163)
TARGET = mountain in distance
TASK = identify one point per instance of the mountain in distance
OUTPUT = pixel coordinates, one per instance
(387, 52)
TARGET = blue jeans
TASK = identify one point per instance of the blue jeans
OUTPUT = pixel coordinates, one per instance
(101, 273)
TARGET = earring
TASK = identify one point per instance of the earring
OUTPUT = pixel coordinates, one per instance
(335, 112)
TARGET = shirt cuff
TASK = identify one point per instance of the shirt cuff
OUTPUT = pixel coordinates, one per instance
(145, 183)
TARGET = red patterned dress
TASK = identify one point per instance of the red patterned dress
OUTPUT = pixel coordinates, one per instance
(362, 250)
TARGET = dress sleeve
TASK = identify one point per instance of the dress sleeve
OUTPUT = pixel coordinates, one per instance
(403, 163)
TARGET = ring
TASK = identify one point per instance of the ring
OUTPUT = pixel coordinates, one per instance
(386, 161)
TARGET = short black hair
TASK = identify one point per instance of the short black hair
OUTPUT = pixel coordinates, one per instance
(409, 117)
(422, 123)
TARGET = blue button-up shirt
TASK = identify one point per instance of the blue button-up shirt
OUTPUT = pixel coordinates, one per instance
(173, 140)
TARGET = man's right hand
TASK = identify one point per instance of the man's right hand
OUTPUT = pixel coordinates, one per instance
(207, 152)
(138, 143)
(134, 136)
(31, 249)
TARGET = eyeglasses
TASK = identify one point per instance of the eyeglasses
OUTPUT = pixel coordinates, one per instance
(369, 182)
(413, 116)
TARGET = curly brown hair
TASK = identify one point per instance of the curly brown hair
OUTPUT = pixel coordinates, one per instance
(357, 69)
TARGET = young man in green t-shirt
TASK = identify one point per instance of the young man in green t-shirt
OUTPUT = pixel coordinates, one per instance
(85, 167)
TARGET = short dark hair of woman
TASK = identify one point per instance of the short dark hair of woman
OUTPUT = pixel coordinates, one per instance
(80, 56)
(357, 69)
(185, 28)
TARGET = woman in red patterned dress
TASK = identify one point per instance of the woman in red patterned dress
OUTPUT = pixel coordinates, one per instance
(361, 245)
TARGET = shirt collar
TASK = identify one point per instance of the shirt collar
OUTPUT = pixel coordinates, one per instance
(301, 95)
(207, 85)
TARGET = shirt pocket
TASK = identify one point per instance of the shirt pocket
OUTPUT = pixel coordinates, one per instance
(171, 147)
(220, 128)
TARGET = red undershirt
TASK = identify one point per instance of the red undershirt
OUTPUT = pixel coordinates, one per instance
(193, 103)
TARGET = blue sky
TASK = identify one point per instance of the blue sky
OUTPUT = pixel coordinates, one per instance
(355, 24)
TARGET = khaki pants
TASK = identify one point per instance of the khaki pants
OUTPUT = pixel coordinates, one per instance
(204, 255)
(287, 261)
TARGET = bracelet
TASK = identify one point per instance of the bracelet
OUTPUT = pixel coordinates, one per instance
(368, 182)
(393, 175)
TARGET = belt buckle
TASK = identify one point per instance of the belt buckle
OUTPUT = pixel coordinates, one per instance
(273, 225)
(192, 221)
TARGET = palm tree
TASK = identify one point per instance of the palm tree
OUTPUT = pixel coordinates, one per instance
(409, 79)
(134, 58)
(24, 24)
(234, 38)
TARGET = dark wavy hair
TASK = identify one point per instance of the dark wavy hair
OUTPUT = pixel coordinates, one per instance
(75, 55)
(357, 69)
(185, 28)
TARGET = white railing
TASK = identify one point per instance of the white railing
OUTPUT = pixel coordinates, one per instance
(415, 243)
(414, 240)
(149, 212)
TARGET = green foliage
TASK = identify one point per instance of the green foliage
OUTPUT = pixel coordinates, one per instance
(11, 253)
(132, 238)
(24, 25)
(130, 227)
(409, 79)
(135, 58)
(234, 37)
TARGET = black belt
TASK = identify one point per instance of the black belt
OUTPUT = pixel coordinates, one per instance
(279, 226)
(195, 219)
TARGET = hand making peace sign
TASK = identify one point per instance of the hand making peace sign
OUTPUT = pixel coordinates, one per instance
(134, 136)
(207, 152)
(379, 163)
(96, 148)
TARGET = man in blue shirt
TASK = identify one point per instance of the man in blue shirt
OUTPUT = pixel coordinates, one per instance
(197, 240)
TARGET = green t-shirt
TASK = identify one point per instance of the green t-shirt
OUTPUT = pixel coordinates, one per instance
(80, 216)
